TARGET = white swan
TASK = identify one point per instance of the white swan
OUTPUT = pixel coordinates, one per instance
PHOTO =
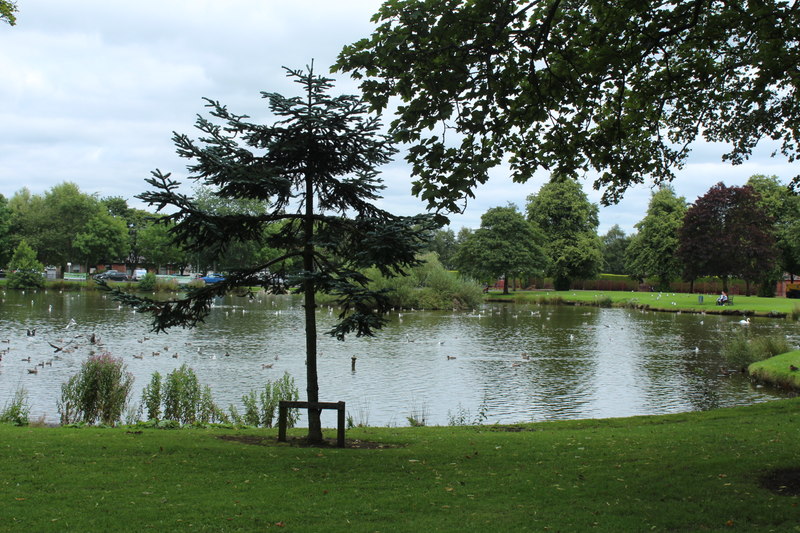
(745, 322)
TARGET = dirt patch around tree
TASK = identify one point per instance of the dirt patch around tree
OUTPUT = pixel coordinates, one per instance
(784, 481)
(301, 442)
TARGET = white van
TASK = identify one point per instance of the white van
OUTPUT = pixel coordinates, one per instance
(138, 274)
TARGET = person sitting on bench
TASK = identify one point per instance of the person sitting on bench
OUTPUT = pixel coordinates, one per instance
(723, 299)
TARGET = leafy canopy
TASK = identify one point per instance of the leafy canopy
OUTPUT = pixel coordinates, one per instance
(505, 245)
(652, 249)
(620, 88)
(569, 222)
(726, 233)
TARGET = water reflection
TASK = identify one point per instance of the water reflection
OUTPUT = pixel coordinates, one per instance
(515, 363)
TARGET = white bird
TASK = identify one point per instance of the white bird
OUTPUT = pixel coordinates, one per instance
(745, 322)
(71, 323)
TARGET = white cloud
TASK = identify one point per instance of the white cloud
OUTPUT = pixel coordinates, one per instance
(93, 90)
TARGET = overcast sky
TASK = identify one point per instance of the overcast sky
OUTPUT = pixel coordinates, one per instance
(91, 91)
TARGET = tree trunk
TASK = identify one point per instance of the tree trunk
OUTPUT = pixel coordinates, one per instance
(505, 284)
(310, 305)
(725, 284)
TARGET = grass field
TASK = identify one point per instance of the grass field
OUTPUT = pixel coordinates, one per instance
(744, 305)
(706, 471)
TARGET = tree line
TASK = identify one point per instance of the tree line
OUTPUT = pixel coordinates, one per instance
(65, 225)
(750, 232)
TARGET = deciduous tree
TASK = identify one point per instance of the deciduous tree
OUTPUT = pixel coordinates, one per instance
(615, 242)
(727, 234)
(506, 245)
(315, 167)
(103, 239)
(784, 207)
(652, 251)
(26, 270)
(569, 222)
(619, 88)
(7, 10)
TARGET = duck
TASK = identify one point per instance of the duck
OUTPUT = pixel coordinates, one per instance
(267, 365)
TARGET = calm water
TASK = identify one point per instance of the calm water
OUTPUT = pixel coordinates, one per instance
(515, 363)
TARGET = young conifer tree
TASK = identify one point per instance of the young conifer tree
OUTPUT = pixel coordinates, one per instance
(315, 168)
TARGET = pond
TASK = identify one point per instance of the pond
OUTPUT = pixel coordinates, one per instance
(510, 363)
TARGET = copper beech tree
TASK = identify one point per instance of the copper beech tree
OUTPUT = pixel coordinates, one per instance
(314, 168)
(726, 233)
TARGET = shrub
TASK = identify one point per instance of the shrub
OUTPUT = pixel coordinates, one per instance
(273, 393)
(428, 286)
(97, 393)
(16, 412)
(151, 397)
(186, 401)
(148, 282)
(740, 351)
(181, 395)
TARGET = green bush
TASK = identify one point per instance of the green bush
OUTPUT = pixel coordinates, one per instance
(148, 282)
(428, 286)
(740, 351)
(283, 389)
(97, 393)
(186, 401)
(181, 395)
(16, 412)
(151, 397)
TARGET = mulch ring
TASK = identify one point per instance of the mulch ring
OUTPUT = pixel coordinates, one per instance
(784, 481)
(301, 442)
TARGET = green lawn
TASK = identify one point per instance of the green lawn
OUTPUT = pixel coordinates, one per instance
(685, 472)
(751, 305)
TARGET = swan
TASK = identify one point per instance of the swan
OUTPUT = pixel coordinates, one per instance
(745, 322)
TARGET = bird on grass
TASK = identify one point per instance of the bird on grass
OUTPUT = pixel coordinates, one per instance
(793, 368)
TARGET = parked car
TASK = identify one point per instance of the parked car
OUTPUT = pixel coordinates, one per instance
(112, 275)
(138, 274)
(212, 278)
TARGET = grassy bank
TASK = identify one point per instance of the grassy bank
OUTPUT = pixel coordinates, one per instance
(688, 472)
(743, 305)
(783, 370)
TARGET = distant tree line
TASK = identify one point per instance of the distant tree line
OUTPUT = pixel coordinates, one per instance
(750, 232)
(65, 225)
